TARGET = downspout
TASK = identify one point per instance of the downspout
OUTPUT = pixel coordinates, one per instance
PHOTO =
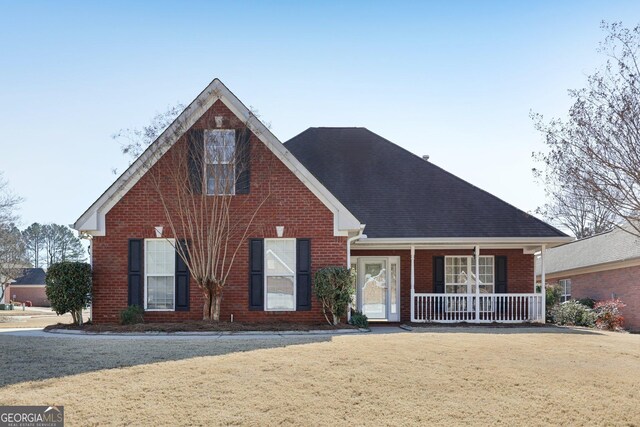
(349, 241)
(353, 239)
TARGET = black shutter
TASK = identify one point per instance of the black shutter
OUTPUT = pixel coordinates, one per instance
(195, 142)
(438, 274)
(501, 274)
(135, 277)
(256, 274)
(243, 161)
(182, 280)
(303, 274)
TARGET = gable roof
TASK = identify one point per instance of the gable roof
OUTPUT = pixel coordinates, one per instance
(399, 195)
(31, 276)
(92, 220)
(601, 249)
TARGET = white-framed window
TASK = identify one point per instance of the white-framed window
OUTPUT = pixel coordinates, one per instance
(220, 165)
(460, 278)
(460, 274)
(565, 289)
(280, 274)
(159, 274)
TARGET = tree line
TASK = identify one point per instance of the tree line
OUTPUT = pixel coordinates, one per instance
(38, 245)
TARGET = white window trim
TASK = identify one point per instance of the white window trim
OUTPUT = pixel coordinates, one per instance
(295, 284)
(470, 303)
(146, 275)
(233, 161)
(563, 287)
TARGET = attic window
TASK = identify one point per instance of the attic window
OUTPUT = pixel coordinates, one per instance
(220, 171)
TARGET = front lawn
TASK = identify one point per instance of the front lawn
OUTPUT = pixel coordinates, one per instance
(443, 376)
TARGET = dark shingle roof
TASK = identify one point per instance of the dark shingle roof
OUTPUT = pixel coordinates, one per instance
(31, 276)
(398, 194)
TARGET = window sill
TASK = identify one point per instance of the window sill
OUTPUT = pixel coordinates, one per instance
(159, 309)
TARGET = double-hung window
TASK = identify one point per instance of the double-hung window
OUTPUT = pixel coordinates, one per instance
(460, 278)
(220, 153)
(160, 264)
(565, 289)
(280, 274)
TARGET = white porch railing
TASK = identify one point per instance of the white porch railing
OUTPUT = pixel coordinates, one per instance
(500, 308)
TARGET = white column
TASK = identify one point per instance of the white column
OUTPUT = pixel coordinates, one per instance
(543, 285)
(477, 252)
(413, 282)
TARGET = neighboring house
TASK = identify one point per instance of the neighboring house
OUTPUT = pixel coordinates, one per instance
(600, 267)
(10, 269)
(30, 286)
(427, 246)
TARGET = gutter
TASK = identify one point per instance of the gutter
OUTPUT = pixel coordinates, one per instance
(353, 239)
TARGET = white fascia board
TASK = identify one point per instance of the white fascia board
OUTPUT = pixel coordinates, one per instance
(450, 242)
(93, 220)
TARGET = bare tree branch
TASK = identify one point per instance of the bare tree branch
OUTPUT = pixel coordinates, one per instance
(593, 157)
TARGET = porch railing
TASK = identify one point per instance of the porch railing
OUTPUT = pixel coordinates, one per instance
(500, 308)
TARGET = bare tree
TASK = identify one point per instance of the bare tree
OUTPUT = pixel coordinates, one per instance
(576, 212)
(133, 141)
(202, 184)
(12, 255)
(596, 151)
(11, 246)
(8, 202)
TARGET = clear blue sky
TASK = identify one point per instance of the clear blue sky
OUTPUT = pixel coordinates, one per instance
(455, 80)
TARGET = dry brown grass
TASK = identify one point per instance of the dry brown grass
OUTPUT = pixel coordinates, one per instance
(434, 377)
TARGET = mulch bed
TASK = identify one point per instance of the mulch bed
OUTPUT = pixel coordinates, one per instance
(200, 326)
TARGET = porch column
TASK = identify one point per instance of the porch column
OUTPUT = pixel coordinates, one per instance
(543, 284)
(477, 252)
(413, 282)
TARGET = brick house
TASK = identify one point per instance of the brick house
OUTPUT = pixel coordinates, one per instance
(600, 267)
(426, 245)
(29, 286)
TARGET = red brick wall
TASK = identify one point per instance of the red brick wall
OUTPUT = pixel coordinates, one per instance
(36, 294)
(291, 204)
(623, 283)
(519, 271)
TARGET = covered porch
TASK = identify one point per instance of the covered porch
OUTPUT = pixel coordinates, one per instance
(449, 281)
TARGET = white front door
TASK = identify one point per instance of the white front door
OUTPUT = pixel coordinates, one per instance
(378, 291)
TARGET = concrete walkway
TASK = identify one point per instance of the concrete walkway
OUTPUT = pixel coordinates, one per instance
(40, 333)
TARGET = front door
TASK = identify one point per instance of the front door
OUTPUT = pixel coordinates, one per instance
(378, 287)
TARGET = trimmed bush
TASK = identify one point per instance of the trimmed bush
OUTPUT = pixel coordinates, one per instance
(359, 319)
(132, 315)
(589, 302)
(608, 314)
(68, 288)
(573, 313)
(334, 287)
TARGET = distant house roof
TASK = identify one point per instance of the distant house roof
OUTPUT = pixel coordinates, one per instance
(400, 195)
(613, 246)
(31, 276)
